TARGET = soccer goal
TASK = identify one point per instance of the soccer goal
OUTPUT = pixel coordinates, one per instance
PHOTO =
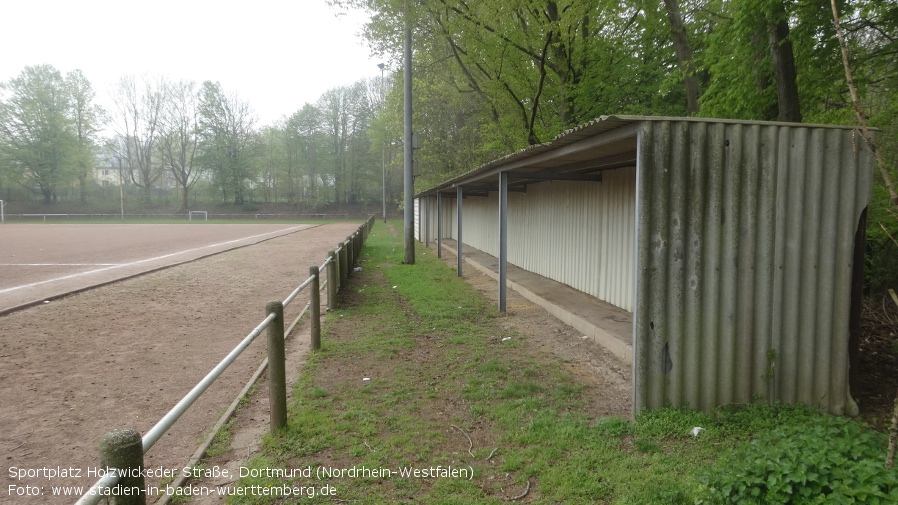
(199, 215)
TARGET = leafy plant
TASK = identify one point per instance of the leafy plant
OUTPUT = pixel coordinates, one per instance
(827, 460)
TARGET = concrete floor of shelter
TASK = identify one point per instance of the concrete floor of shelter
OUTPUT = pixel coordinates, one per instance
(606, 324)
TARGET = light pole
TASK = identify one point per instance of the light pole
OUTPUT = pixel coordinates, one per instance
(407, 175)
(121, 187)
(383, 156)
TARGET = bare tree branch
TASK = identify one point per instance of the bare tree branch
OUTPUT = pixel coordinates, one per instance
(887, 179)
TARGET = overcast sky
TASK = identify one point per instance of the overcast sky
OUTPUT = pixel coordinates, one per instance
(275, 54)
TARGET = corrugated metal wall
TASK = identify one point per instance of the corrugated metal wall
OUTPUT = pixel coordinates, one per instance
(745, 240)
(426, 212)
(579, 233)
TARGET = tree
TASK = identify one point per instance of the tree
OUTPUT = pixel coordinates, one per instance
(336, 106)
(179, 137)
(536, 67)
(684, 55)
(87, 118)
(227, 141)
(38, 137)
(137, 126)
(304, 137)
(783, 59)
(273, 163)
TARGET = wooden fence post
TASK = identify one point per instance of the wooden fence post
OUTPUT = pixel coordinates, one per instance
(344, 263)
(332, 280)
(122, 449)
(277, 376)
(315, 307)
(350, 250)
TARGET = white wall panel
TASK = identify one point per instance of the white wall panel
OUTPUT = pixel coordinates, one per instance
(578, 233)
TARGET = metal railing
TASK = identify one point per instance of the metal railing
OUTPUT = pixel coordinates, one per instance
(122, 450)
(57, 216)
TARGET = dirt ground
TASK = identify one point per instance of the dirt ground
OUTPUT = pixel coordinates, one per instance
(39, 262)
(606, 377)
(878, 375)
(122, 355)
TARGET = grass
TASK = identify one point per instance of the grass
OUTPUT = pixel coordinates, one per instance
(412, 374)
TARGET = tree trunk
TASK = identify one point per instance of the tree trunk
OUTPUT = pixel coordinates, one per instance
(684, 55)
(185, 199)
(783, 67)
(82, 187)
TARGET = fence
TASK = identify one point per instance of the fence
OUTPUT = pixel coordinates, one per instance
(122, 450)
(210, 216)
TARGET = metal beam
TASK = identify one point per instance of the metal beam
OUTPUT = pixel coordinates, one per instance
(626, 159)
(549, 176)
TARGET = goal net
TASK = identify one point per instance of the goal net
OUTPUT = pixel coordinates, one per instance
(199, 215)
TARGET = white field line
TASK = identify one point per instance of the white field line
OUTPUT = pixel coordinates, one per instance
(122, 265)
(57, 264)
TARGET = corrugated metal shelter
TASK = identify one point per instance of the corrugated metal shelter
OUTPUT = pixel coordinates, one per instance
(735, 244)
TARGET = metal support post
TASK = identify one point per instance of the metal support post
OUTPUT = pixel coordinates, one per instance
(439, 225)
(503, 238)
(458, 244)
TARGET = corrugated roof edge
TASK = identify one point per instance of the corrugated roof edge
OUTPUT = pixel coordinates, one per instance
(604, 124)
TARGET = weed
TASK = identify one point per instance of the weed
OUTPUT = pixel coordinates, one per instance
(824, 460)
(221, 442)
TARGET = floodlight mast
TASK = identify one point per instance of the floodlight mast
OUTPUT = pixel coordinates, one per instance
(409, 181)
(121, 187)
(383, 155)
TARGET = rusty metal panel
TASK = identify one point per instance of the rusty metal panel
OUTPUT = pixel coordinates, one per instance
(745, 233)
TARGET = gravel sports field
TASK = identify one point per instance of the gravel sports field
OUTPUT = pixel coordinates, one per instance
(73, 366)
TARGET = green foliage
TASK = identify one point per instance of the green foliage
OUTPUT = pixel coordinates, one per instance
(490, 78)
(47, 129)
(825, 460)
(227, 141)
(881, 266)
